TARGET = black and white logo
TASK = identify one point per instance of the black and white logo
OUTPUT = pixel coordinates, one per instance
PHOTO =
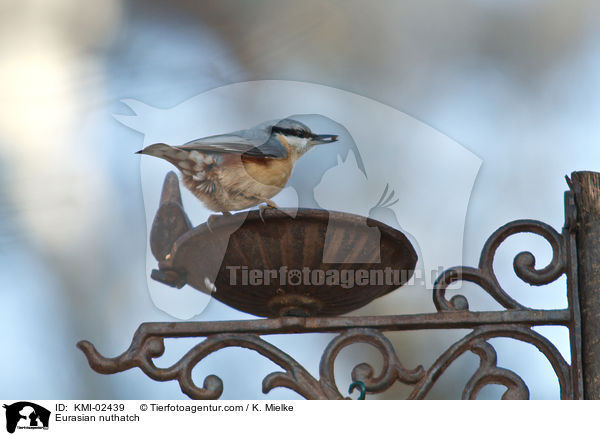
(26, 415)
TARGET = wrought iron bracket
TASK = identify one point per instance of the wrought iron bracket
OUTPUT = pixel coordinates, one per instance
(515, 321)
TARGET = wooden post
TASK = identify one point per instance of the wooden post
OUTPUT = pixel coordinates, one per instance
(585, 186)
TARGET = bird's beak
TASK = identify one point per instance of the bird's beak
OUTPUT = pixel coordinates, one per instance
(323, 139)
(139, 152)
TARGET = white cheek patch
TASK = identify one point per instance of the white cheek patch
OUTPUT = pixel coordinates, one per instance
(300, 143)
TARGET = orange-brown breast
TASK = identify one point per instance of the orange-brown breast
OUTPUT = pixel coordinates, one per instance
(271, 171)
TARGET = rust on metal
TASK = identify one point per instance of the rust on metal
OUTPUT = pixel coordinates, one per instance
(289, 245)
(569, 234)
(516, 321)
(148, 343)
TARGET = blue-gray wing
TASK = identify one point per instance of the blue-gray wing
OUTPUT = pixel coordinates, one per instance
(254, 143)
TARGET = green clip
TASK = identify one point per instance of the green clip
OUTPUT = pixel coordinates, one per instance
(361, 386)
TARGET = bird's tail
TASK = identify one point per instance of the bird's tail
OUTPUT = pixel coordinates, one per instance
(164, 151)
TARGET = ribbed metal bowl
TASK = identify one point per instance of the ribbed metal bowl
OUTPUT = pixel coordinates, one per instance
(281, 246)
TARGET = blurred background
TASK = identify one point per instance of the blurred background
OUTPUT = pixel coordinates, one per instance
(515, 82)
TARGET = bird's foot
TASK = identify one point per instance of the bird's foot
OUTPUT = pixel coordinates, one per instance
(268, 205)
(261, 208)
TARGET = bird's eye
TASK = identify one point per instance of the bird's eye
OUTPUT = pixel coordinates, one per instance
(292, 132)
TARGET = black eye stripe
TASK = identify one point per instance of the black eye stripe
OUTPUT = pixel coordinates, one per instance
(291, 132)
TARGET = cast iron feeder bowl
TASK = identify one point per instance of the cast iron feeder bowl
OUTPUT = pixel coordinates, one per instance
(285, 242)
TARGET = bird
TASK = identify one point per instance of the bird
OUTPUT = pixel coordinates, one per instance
(241, 169)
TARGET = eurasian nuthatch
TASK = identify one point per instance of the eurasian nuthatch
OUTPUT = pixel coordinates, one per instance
(238, 170)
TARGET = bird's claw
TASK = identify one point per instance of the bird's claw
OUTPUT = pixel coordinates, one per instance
(268, 205)
(261, 208)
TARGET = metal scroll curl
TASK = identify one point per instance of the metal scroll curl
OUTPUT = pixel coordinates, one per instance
(524, 266)
(488, 372)
(391, 371)
(145, 348)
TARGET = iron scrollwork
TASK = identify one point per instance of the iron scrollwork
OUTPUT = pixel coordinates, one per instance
(524, 266)
(147, 347)
(515, 322)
